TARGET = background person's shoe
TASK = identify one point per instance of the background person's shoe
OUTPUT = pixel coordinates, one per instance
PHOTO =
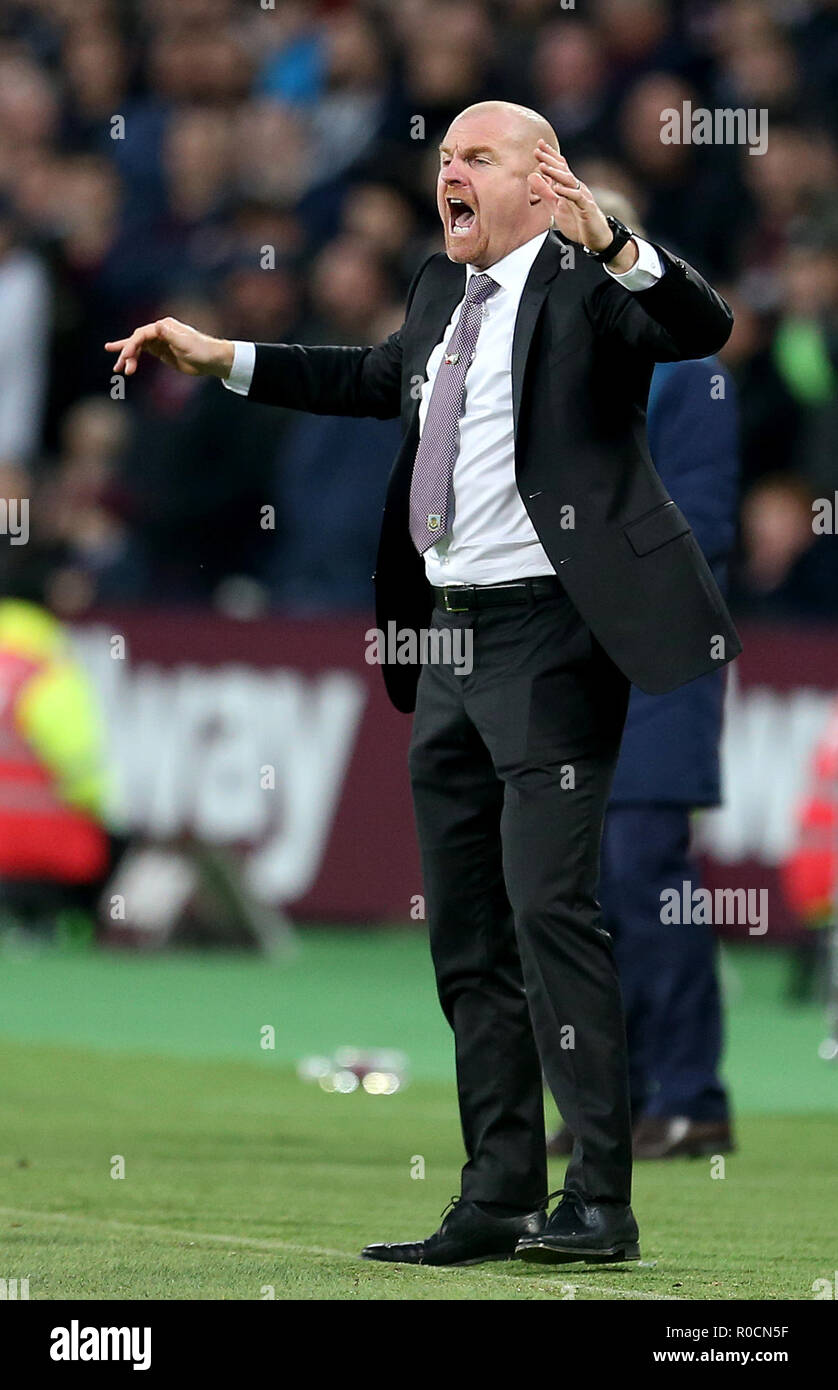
(677, 1136)
(596, 1232)
(467, 1236)
(560, 1143)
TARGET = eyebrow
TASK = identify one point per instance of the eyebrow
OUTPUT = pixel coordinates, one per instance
(473, 149)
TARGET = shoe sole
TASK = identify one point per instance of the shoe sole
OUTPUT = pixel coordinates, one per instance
(450, 1264)
(540, 1252)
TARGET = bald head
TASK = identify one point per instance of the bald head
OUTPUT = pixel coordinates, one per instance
(525, 126)
(490, 196)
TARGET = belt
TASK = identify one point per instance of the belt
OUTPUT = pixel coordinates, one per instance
(466, 598)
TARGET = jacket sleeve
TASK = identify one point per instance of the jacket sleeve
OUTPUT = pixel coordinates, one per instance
(678, 318)
(359, 381)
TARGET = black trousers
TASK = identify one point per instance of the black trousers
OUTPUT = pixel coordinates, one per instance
(511, 767)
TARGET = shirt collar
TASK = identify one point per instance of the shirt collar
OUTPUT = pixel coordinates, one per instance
(511, 272)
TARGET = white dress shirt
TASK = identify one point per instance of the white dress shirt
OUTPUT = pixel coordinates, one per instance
(491, 538)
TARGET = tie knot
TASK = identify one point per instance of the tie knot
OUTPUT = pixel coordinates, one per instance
(479, 288)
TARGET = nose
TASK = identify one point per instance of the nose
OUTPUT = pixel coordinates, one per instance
(453, 171)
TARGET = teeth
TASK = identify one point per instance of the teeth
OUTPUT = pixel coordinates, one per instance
(457, 207)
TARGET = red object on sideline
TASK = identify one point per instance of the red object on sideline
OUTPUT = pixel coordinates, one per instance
(41, 837)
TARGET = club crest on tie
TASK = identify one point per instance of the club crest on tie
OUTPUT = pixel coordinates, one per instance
(434, 521)
(451, 359)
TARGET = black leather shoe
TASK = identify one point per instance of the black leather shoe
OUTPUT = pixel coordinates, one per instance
(597, 1232)
(678, 1136)
(467, 1236)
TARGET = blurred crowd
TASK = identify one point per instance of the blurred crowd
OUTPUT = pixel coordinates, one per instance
(266, 170)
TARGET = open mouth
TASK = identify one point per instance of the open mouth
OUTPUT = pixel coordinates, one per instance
(461, 216)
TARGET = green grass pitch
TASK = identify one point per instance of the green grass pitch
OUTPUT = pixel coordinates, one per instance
(242, 1182)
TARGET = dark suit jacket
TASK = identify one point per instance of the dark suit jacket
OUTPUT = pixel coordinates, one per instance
(582, 359)
(670, 748)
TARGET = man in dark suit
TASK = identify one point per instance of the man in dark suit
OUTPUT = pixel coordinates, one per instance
(524, 508)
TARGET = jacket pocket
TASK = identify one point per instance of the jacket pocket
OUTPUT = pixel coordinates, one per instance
(656, 528)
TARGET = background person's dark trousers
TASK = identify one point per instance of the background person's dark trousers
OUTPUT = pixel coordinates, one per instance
(491, 759)
(667, 972)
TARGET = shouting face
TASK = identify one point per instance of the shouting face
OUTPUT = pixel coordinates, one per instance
(489, 195)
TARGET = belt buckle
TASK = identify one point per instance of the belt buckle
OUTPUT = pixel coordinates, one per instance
(448, 606)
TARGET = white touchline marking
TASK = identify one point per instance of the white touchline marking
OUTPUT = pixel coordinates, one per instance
(254, 1242)
(269, 1243)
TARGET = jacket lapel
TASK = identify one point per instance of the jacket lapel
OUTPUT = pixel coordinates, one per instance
(544, 270)
(436, 312)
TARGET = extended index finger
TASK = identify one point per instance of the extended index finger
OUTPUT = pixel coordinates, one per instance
(131, 348)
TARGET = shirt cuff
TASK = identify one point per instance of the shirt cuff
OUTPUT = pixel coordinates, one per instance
(241, 372)
(645, 272)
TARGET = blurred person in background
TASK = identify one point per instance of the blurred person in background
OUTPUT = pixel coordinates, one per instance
(197, 166)
(54, 844)
(328, 552)
(199, 519)
(381, 216)
(29, 110)
(668, 767)
(782, 187)
(346, 117)
(95, 63)
(770, 419)
(260, 129)
(82, 238)
(785, 571)
(637, 34)
(757, 65)
(806, 342)
(83, 510)
(809, 879)
(685, 184)
(570, 74)
(349, 286)
(433, 81)
(24, 341)
(809, 872)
